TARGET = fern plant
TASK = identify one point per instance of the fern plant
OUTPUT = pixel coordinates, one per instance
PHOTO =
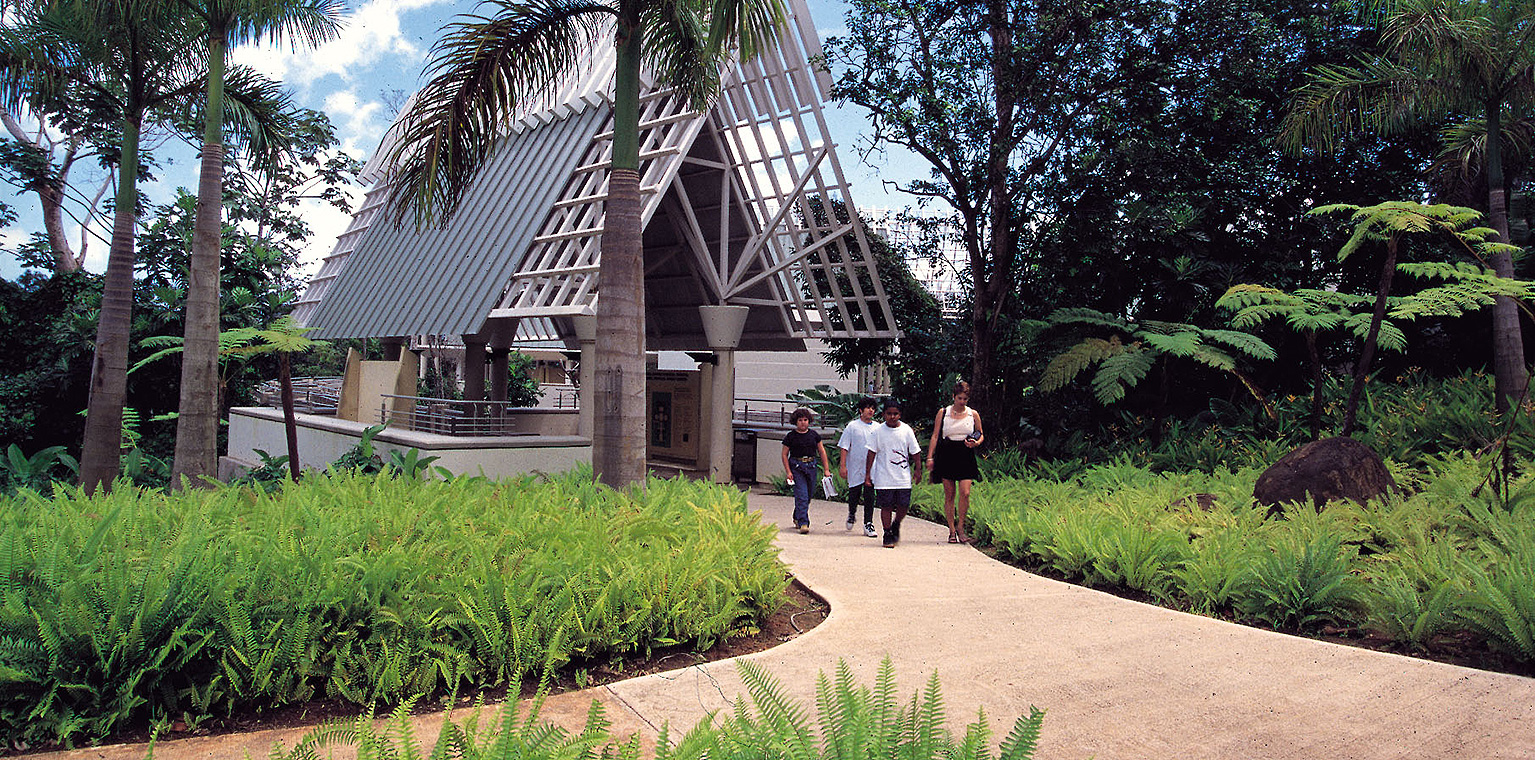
(1300, 585)
(1125, 351)
(852, 722)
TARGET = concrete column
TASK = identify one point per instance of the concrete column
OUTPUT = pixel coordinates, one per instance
(722, 330)
(499, 359)
(586, 336)
(474, 368)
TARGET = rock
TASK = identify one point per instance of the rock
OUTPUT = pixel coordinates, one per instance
(1323, 471)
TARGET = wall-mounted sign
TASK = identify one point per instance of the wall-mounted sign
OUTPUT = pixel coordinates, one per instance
(675, 403)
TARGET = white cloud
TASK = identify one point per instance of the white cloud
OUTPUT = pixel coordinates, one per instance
(370, 35)
(357, 122)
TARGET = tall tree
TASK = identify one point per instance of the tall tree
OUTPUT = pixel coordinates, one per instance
(128, 56)
(227, 23)
(487, 69)
(1443, 61)
(992, 96)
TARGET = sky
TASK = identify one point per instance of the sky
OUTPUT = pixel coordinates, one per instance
(360, 78)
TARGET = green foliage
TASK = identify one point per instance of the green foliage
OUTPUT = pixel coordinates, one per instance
(37, 472)
(1300, 586)
(852, 721)
(832, 407)
(1133, 348)
(140, 606)
(1423, 570)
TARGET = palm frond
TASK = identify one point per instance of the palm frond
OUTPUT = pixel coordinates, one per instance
(486, 70)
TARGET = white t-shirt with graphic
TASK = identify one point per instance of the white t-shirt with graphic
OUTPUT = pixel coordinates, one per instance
(855, 441)
(894, 450)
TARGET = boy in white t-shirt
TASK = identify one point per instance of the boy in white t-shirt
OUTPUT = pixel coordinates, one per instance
(890, 469)
(855, 446)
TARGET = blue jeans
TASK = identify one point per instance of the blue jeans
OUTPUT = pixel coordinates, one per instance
(805, 476)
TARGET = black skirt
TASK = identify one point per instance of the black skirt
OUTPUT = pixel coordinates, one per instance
(955, 461)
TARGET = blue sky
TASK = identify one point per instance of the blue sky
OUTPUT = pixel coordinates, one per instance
(359, 79)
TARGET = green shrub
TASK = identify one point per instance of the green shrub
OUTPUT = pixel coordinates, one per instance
(1300, 584)
(141, 605)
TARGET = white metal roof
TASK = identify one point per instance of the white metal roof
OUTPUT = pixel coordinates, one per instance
(735, 205)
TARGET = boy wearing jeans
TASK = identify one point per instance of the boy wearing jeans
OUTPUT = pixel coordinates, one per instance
(855, 445)
(889, 469)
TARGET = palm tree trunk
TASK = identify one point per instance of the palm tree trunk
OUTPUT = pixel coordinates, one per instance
(197, 425)
(102, 449)
(1507, 341)
(618, 440)
(1367, 351)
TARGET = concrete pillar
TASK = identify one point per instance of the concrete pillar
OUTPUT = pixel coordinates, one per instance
(722, 330)
(499, 359)
(474, 368)
(586, 336)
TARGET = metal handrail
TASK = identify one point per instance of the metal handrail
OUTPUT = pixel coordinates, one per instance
(451, 416)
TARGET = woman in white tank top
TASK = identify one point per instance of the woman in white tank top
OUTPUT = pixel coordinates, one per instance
(951, 459)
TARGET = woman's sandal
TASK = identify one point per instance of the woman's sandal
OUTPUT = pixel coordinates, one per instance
(953, 539)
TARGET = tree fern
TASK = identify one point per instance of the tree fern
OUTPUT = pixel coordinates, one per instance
(1120, 372)
(1064, 368)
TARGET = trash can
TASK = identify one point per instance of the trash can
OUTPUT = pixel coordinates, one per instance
(743, 456)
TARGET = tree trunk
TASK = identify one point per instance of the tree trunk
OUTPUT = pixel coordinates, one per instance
(1507, 341)
(197, 425)
(289, 420)
(102, 449)
(1316, 385)
(618, 440)
(1367, 351)
(992, 281)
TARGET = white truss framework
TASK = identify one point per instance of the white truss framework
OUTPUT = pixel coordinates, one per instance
(772, 225)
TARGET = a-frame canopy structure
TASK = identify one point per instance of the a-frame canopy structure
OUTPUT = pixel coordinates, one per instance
(744, 204)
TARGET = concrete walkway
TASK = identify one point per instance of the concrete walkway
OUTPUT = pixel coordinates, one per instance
(1118, 679)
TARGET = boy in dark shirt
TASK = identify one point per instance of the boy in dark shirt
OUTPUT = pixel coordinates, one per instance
(801, 447)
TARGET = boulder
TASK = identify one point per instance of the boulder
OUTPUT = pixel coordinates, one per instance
(1323, 471)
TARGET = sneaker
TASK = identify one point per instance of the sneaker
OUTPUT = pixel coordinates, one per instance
(889, 540)
(868, 530)
(804, 529)
(850, 523)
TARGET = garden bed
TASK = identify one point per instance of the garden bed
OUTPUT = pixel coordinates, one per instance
(140, 608)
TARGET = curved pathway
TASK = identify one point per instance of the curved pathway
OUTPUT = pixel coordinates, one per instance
(1117, 678)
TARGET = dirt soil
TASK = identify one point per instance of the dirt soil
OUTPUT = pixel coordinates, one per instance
(802, 611)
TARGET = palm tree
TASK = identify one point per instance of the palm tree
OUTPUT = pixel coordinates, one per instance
(488, 68)
(126, 57)
(1444, 59)
(227, 23)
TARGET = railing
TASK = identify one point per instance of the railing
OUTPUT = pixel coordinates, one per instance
(311, 395)
(450, 416)
(763, 411)
(561, 396)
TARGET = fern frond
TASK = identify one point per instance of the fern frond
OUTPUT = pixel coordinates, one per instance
(1120, 372)
(1023, 741)
(1181, 344)
(1084, 316)
(1064, 368)
(1247, 343)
